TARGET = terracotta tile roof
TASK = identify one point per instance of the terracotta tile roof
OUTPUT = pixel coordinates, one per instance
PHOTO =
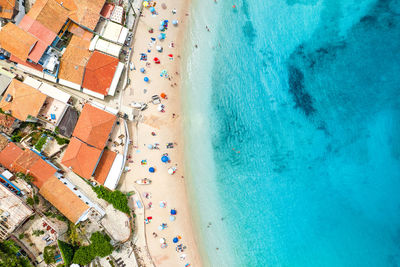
(7, 8)
(80, 32)
(81, 158)
(17, 41)
(9, 154)
(99, 72)
(104, 166)
(25, 100)
(41, 170)
(107, 10)
(38, 51)
(6, 120)
(24, 162)
(94, 126)
(74, 60)
(84, 12)
(25, 63)
(49, 13)
(37, 29)
(63, 199)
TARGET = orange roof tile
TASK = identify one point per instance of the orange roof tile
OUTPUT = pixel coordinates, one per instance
(81, 158)
(84, 12)
(6, 120)
(9, 154)
(80, 32)
(7, 8)
(99, 72)
(26, 63)
(25, 161)
(49, 13)
(17, 41)
(94, 126)
(38, 51)
(37, 29)
(63, 199)
(104, 166)
(41, 171)
(74, 60)
(25, 101)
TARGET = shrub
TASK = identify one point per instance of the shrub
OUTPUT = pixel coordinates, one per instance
(61, 141)
(48, 254)
(21, 236)
(30, 201)
(100, 246)
(67, 252)
(116, 198)
(39, 145)
(36, 199)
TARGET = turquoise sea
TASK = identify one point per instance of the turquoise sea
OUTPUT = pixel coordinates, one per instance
(292, 125)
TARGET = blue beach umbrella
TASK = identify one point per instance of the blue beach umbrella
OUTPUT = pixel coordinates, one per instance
(161, 27)
(172, 218)
(146, 79)
(142, 70)
(175, 240)
(160, 37)
(173, 212)
(152, 9)
(164, 159)
(151, 169)
(150, 146)
(175, 22)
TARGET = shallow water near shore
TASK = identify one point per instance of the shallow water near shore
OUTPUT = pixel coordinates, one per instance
(292, 125)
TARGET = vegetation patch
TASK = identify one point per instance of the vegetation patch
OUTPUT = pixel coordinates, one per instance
(118, 199)
(8, 255)
(100, 247)
(67, 252)
(39, 145)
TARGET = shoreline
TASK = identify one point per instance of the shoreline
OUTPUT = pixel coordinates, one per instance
(168, 129)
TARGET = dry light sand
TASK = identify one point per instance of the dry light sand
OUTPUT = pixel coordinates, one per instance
(164, 187)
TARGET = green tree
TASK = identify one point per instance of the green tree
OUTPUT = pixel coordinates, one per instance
(48, 254)
(67, 252)
(37, 232)
(30, 201)
(9, 258)
(21, 236)
(84, 255)
(36, 199)
(101, 244)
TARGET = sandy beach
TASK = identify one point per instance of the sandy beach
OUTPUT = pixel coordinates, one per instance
(161, 127)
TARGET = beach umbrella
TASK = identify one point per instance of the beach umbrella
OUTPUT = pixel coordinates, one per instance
(162, 240)
(150, 146)
(145, 4)
(171, 170)
(175, 22)
(164, 6)
(162, 204)
(156, 59)
(160, 37)
(142, 70)
(175, 240)
(152, 9)
(161, 27)
(151, 169)
(146, 79)
(163, 95)
(159, 48)
(173, 212)
(164, 159)
(172, 218)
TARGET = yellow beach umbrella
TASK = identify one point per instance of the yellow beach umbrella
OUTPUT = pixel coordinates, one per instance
(145, 4)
